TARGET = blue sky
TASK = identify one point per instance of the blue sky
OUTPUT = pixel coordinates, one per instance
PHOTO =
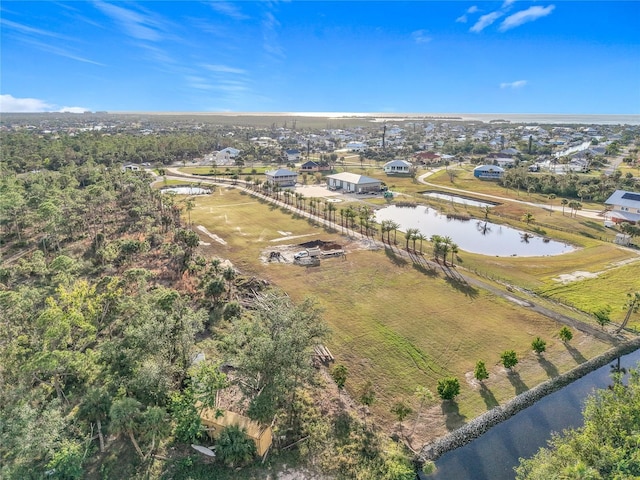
(580, 57)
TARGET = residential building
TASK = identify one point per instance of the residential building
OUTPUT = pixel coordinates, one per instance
(353, 183)
(397, 167)
(282, 177)
(625, 207)
(488, 172)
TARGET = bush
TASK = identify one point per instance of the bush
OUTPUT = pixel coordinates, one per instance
(565, 334)
(509, 359)
(448, 388)
(538, 345)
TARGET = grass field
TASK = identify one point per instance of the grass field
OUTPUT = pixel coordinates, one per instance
(401, 326)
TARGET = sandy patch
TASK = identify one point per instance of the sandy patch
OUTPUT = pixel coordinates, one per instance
(284, 234)
(212, 236)
(574, 277)
(204, 244)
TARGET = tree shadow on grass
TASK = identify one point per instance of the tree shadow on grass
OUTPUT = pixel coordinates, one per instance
(396, 259)
(451, 410)
(549, 367)
(516, 381)
(425, 269)
(488, 397)
(577, 356)
(462, 286)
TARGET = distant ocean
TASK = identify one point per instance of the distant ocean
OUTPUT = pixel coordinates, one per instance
(539, 118)
(531, 118)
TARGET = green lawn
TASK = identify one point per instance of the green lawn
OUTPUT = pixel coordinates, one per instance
(392, 323)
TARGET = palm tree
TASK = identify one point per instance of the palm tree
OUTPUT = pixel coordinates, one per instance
(424, 395)
(564, 202)
(332, 209)
(124, 416)
(408, 235)
(632, 305)
(234, 447)
(394, 226)
(229, 274)
(384, 228)
(528, 218)
(419, 236)
(454, 251)
(551, 197)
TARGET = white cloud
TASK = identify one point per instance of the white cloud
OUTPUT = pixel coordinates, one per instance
(27, 30)
(420, 36)
(508, 3)
(224, 69)
(271, 44)
(464, 17)
(135, 24)
(11, 104)
(73, 110)
(485, 20)
(228, 9)
(8, 103)
(514, 85)
(525, 16)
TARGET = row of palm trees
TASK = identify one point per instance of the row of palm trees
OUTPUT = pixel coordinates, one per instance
(442, 246)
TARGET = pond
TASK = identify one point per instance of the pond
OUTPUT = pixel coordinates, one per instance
(458, 199)
(187, 190)
(475, 236)
(493, 455)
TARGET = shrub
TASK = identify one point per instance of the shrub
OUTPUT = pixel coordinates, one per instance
(509, 359)
(448, 388)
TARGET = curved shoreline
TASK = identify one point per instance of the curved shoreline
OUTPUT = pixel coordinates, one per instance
(479, 425)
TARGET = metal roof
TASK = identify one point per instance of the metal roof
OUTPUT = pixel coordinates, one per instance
(624, 198)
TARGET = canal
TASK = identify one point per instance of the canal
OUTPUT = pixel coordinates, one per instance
(493, 455)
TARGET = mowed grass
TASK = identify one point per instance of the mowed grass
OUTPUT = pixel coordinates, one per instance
(392, 323)
(608, 289)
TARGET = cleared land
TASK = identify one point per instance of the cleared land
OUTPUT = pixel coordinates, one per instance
(399, 325)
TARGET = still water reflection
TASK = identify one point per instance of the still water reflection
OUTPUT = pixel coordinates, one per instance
(476, 236)
(493, 455)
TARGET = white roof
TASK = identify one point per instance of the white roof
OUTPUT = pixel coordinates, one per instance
(397, 163)
(624, 198)
(281, 172)
(495, 168)
(353, 178)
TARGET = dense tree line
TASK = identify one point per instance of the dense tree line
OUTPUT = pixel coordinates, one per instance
(24, 151)
(571, 185)
(103, 297)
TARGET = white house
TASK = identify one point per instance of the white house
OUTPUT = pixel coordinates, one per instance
(625, 207)
(351, 182)
(227, 156)
(282, 177)
(293, 155)
(397, 167)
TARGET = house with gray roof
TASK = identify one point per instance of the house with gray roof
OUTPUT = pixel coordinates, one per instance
(282, 177)
(625, 207)
(353, 183)
(397, 167)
